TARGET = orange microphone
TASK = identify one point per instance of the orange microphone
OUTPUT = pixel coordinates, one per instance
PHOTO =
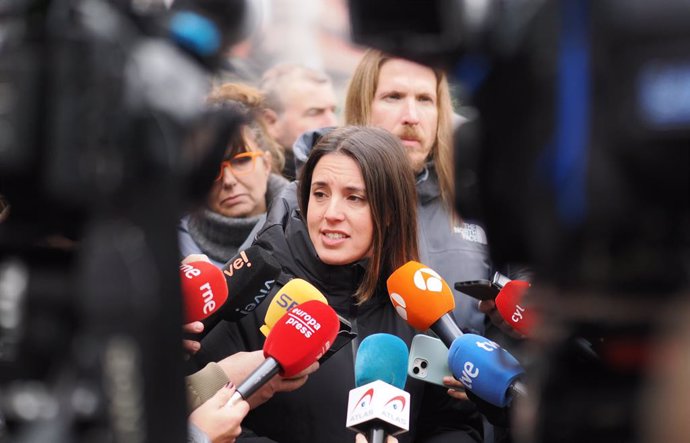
(423, 299)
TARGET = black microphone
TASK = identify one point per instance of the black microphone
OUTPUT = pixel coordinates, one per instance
(249, 276)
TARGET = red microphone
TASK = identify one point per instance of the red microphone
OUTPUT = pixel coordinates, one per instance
(298, 339)
(509, 305)
(423, 299)
(204, 290)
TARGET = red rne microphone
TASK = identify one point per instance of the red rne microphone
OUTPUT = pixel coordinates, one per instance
(423, 299)
(204, 290)
(509, 305)
(298, 339)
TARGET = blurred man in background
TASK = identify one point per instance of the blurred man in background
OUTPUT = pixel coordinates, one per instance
(298, 99)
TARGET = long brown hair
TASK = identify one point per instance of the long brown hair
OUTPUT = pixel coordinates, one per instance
(360, 95)
(390, 191)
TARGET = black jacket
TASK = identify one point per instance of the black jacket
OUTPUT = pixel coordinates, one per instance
(317, 411)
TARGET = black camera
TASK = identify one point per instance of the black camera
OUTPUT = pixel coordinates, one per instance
(577, 165)
(104, 141)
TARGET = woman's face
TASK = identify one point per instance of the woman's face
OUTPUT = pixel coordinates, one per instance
(240, 190)
(339, 216)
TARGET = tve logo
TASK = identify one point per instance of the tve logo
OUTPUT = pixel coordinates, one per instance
(469, 373)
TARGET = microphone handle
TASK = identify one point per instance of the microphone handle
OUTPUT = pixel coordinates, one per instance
(256, 380)
(376, 435)
(518, 389)
(446, 329)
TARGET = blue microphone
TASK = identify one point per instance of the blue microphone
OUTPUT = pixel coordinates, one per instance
(382, 357)
(378, 406)
(486, 369)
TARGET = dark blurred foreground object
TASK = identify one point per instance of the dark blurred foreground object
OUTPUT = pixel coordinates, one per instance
(578, 165)
(103, 141)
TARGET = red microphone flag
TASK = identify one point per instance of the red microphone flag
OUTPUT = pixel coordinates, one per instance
(509, 304)
(204, 290)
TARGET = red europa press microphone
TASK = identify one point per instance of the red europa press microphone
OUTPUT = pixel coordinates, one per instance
(203, 288)
(298, 339)
(423, 299)
(509, 305)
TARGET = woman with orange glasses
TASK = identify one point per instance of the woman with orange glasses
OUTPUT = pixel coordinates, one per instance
(246, 181)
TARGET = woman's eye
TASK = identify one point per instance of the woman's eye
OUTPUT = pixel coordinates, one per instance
(240, 161)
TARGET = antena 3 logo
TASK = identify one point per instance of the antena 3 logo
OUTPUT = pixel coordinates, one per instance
(428, 280)
(424, 279)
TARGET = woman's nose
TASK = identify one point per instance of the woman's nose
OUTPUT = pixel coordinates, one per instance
(334, 210)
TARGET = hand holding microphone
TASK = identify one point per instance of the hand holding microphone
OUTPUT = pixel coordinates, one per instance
(219, 422)
(295, 342)
(240, 365)
(486, 369)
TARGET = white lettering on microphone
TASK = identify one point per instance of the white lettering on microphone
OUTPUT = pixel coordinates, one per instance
(517, 315)
(190, 271)
(303, 322)
(469, 373)
(258, 298)
(207, 295)
(488, 345)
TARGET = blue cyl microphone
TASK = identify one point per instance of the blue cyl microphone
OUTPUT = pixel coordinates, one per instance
(378, 406)
(486, 369)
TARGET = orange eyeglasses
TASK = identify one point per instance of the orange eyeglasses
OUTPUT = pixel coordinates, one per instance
(241, 164)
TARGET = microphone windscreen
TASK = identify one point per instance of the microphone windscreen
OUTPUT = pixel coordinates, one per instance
(419, 294)
(295, 292)
(382, 357)
(302, 336)
(204, 290)
(484, 368)
(250, 275)
(509, 304)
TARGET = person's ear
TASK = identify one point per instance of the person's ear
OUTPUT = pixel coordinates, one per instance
(268, 162)
(270, 117)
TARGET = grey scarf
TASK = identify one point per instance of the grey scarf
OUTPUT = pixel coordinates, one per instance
(219, 236)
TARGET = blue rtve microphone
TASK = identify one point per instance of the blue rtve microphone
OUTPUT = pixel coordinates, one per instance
(486, 369)
(378, 406)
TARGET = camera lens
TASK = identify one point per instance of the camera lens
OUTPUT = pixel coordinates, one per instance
(423, 365)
